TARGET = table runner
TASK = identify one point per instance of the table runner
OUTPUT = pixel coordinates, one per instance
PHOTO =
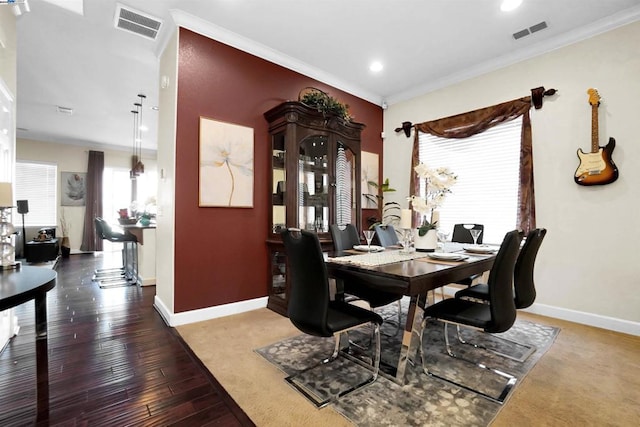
(374, 259)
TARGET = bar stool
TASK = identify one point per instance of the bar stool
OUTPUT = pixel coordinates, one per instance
(128, 273)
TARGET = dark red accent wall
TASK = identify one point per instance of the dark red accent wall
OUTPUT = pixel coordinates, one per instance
(220, 253)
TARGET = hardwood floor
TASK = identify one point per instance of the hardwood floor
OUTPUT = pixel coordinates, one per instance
(111, 361)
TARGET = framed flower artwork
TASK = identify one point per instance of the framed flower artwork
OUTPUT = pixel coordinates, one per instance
(73, 188)
(225, 164)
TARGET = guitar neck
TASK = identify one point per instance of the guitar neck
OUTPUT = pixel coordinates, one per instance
(594, 129)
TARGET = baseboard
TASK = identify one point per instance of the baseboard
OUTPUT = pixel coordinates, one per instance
(177, 319)
(584, 318)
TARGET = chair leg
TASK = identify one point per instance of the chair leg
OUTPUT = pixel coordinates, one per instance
(336, 351)
(530, 348)
(504, 393)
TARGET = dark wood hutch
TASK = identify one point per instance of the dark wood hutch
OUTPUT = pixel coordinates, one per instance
(314, 182)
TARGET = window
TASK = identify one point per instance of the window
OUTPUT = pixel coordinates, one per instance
(117, 188)
(116, 192)
(488, 168)
(36, 183)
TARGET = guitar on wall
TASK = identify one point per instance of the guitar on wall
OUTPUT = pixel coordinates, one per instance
(596, 167)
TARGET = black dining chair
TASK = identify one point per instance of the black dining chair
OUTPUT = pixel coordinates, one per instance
(311, 310)
(524, 289)
(498, 316)
(386, 235)
(357, 284)
(344, 236)
(461, 234)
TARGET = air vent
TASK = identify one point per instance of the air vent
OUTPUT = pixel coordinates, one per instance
(520, 34)
(64, 110)
(137, 22)
(541, 26)
(533, 29)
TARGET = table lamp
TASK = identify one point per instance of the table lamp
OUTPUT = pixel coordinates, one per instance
(7, 251)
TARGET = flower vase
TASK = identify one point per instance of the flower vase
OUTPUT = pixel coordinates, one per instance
(426, 243)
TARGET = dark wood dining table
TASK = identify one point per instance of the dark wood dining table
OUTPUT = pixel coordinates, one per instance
(413, 278)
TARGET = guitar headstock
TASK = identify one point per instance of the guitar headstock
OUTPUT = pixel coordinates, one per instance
(594, 97)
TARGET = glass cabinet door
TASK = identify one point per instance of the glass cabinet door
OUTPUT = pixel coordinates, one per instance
(313, 184)
(278, 215)
(345, 198)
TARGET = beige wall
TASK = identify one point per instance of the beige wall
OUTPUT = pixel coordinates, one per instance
(587, 267)
(165, 231)
(8, 53)
(73, 158)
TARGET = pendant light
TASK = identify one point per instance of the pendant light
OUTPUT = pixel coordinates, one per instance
(137, 167)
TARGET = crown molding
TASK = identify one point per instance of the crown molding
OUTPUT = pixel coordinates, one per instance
(215, 32)
(601, 26)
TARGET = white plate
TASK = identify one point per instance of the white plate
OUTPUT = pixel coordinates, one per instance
(365, 248)
(480, 249)
(447, 256)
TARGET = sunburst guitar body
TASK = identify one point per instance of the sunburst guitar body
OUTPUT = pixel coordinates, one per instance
(596, 167)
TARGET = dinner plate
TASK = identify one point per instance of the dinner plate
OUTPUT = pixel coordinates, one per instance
(447, 256)
(480, 249)
(365, 248)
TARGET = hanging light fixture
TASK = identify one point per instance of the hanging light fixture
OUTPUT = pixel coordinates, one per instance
(137, 167)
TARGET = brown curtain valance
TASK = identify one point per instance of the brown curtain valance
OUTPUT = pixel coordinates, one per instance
(477, 121)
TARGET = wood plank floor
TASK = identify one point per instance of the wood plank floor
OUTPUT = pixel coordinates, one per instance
(111, 361)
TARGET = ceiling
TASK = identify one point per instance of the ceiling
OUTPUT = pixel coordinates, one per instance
(82, 62)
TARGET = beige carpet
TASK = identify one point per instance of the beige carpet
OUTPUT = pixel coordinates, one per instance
(226, 345)
(589, 376)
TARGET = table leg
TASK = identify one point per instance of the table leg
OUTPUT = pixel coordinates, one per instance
(42, 379)
(410, 336)
(41, 316)
(42, 358)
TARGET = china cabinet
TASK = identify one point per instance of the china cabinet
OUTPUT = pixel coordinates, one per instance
(314, 182)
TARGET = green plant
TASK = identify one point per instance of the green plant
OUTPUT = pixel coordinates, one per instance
(324, 103)
(388, 213)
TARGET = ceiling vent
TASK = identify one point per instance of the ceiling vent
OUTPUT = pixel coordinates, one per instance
(533, 29)
(64, 110)
(137, 22)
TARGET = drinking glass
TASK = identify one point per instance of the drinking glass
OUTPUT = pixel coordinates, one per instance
(475, 234)
(443, 236)
(368, 235)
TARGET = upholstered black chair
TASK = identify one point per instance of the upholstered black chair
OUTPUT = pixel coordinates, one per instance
(498, 316)
(118, 276)
(461, 234)
(524, 289)
(386, 235)
(357, 284)
(311, 310)
(344, 237)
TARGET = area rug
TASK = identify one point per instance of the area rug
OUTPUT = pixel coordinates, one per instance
(422, 400)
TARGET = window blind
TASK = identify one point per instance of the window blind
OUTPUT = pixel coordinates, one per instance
(36, 183)
(488, 168)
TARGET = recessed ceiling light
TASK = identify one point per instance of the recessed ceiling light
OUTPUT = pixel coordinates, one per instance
(376, 66)
(509, 5)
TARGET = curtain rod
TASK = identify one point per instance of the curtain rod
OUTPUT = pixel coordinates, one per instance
(537, 94)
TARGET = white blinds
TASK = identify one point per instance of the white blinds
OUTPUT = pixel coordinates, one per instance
(36, 183)
(488, 166)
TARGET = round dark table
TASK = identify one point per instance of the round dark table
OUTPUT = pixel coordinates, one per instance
(17, 287)
(28, 283)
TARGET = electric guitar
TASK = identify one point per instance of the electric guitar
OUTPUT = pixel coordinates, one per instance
(596, 167)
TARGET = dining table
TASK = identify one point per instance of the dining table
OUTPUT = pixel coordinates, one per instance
(412, 274)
